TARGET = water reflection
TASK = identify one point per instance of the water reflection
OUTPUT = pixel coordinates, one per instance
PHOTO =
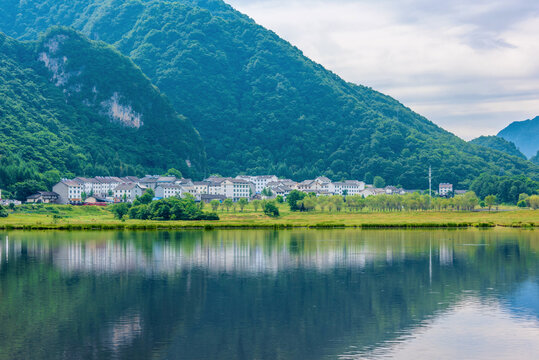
(267, 294)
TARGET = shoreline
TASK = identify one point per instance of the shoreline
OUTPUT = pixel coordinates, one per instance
(276, 226)
(78, 218)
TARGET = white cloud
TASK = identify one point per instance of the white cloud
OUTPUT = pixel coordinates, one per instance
(470, 67)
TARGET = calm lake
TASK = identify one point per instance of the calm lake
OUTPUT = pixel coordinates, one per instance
(263, 294)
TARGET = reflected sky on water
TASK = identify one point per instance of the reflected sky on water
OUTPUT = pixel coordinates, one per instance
(259, 294)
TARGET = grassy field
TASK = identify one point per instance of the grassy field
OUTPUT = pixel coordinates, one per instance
(77, 217)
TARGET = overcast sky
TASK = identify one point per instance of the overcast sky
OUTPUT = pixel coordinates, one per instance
(471, 66)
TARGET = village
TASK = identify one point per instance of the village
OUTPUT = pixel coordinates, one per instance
(102, 190)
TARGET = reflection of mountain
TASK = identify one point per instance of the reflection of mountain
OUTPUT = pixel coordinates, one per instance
(246, 294)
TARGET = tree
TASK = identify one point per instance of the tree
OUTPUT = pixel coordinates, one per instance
(83, 196)
(3, 212)
(293, 198)
(256, 204)
(174, 172)
(279, 199)
(270, 209)
(267, 192)
(490, 201)
(379, 182)
(119, 210)
(308, 203)
(51, 178)
(534, 202)
(242, 203)
(338, 202)
(147, 197)
(26, 188)
(215, 204)
(228, 204)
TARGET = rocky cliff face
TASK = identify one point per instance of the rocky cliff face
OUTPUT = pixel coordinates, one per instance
(106, 98)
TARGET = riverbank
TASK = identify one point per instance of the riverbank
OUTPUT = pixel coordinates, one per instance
(92, 218)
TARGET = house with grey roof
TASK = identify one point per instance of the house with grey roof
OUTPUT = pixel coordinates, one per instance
(43, 197)
(165, 191)
(69, 192)
(128, 192)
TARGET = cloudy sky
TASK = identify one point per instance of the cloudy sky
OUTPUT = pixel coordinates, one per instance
(470, 66)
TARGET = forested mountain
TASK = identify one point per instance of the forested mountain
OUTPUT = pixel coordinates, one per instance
(535, 159)
(500, 144)
(69, 105)
(260, 105)
(525, 135)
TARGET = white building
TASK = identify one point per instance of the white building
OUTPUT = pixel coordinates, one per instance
(349, 187)
(166, 191)
(128, 192)
(89, 185)
(445, 189)
(107, 184)
(236, 189)
(260, 182)
(69, 192)
(202, 187)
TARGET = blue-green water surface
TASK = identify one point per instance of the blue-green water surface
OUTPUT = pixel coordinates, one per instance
(261, 294)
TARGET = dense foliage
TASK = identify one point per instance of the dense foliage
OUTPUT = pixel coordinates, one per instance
(270, 209)
(500, 144)
(259, 104)
(53, 124)
(3, 212)
(293, 198)
(524, 134)
(173, 208)
(507, 189)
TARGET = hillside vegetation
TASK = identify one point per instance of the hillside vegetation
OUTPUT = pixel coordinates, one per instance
(72, 106)
(500, 144)
(259, 104)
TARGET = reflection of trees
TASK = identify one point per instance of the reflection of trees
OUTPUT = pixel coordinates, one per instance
(286, 294)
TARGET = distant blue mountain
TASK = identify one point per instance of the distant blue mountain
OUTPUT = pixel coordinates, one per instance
(525, 135)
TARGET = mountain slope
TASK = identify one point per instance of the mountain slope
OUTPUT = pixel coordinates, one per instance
(80, 107)
(500, 144)
(535, 159)
(259, 104)
(525, 135)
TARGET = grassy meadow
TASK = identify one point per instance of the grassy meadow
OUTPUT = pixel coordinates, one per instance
(89, 217)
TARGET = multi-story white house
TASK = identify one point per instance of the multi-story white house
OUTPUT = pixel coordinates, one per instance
(444, 189)
(108, 184)
(236, 189)
(69, 192)
(166, 191)
(89, 185)
(188, 187)
(128, 192)
(202, 187)
(349, 187)
(260, 182)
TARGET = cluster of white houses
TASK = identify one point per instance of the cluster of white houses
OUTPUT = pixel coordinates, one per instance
(103, 190)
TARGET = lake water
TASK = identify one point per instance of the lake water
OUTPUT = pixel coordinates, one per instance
(257, 294)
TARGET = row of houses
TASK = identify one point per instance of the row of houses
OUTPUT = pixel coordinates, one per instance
(102, 190)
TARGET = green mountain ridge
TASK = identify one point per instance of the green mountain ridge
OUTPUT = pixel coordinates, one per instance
(524, 134)
(75, 106)
(259, 104)
(500, 144)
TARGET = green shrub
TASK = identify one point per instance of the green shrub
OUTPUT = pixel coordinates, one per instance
(3, 212)
(271, 210)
